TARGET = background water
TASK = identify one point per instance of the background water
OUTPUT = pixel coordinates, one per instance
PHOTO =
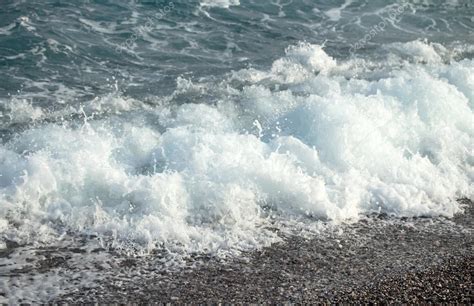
(204, 125)
(50, 49)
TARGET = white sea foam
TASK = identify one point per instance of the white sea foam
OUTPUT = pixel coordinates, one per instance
(21, 110)
(300, 140)
(334, 14)
(220, 3)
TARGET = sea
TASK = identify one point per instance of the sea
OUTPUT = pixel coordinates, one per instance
(144, 127)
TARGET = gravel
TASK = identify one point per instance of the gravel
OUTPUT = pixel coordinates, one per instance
(378, 259)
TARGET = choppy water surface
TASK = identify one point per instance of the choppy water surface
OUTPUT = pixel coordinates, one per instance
(203, 126)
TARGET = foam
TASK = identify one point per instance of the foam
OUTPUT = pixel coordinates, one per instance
(298, 141)
(21, 110)
(420, 51)
(301, 62)
(219, 3)
(334, 14)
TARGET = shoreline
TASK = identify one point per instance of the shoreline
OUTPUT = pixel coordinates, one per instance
(375, 260)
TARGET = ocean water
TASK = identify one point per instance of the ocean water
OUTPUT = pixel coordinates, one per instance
(203, 126)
